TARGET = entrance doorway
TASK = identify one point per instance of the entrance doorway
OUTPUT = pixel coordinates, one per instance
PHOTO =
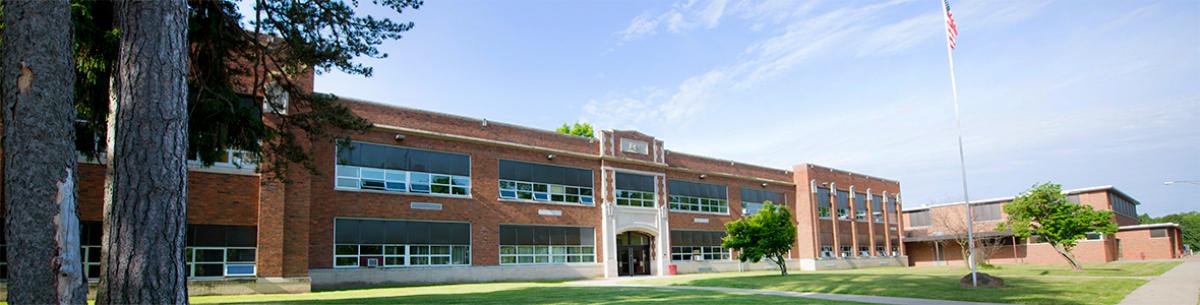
(633, 254)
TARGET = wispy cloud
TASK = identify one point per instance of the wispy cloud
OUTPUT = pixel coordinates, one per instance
(681, 17)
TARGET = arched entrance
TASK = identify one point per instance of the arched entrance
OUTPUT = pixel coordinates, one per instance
(633, 253)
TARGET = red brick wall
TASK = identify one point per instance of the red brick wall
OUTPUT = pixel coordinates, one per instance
(810, 229)
(1138, 245)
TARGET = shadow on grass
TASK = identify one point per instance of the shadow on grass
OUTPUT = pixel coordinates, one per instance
(1023, 290)
(570, 295)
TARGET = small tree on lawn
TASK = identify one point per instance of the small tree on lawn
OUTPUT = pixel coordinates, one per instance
(1045, 212)
(768, 234)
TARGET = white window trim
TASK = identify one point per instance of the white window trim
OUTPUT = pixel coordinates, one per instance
(549, 194)
(673, 209)
(191, 272)
(551, 255)
(408, 256)
(617, 198)
(338, 175)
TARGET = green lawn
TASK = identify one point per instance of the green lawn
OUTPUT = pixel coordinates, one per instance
(511, 293)
(1026, 284)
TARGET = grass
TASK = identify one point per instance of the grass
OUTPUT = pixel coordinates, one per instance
(511, 293)
(1026, 284)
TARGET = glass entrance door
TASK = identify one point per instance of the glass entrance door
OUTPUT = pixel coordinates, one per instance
(633, 254)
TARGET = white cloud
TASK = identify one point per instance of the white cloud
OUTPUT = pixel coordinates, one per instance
(642, 25)
(681, 17)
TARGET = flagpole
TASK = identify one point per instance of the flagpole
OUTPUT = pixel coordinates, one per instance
(961, 160)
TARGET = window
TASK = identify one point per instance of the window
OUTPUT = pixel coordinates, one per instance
(823, 203)
(846, 251)
(986, 212)
(843, 205)
(864, 251)
(877, 209)
(229, 158)
(398, 243)
(635, 146)
(522, 244)
(1073, 199)
(548, 183)
(919, 218)
(1094, 236)
(1123, 205)
(697, 245)
(860, 207)
(826, 251)
(752, 200)
(89, 247)
(397, 169)
(698, 197)
(1158, 233)
(635, 190)
(220, 251)
(893, 205)
(879, 250)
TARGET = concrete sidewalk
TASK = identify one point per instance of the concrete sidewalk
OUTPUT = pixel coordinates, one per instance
(1180, 286)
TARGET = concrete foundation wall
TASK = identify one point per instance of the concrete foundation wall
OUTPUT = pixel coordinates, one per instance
(326, 279)
(686, 267)
(858, 262)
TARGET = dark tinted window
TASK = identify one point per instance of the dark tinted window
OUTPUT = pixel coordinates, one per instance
(540, 173)
(877, 203)
(919, 218)
(823, 196)
(1158, 233)
(985, 212)
(221, 236)
(696, 238)
(843, 199)
(860, 201)
(696, 189)
(400, 158)
(635, 182)
(753, 195)
(365, 231)
(523, 235)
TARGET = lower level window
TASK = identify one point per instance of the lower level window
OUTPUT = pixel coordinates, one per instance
(823, 212)
(879, 250)
(219, 261)
(547, 254)
(846, 251)
(864, 251)
(396, 255)
(91, 261)
(827, 251)
(699, 253)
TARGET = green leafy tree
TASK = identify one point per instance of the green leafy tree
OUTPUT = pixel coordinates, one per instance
(579, 129)
(1044, 211)
(1189, 223)
(769, 235)
(237, 63)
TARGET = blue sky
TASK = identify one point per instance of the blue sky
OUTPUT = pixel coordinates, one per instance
(1081, 93)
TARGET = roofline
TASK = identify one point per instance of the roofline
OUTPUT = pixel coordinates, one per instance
(1149, 226)
(463, 117)
(1010, 198)
(668, 151)
(811, 165)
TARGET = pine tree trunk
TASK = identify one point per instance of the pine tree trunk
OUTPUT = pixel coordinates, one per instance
(41, 224)
(145, 208)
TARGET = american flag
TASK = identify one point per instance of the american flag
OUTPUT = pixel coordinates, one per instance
(951, 29)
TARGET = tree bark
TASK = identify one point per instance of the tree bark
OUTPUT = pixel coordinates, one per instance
(145, 207)
(1067, 254)
(41, 223)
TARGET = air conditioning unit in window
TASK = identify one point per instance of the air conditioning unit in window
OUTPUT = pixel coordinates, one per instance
(372, 262)
(826, 253)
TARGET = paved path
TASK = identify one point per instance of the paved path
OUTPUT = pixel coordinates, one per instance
(621, 282)
(1180, 286)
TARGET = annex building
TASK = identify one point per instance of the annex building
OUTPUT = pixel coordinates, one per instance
(931, 233)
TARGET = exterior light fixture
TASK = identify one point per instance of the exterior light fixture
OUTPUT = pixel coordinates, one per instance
(550, 157)
(702, 176)
(764, 184)
(399, 137)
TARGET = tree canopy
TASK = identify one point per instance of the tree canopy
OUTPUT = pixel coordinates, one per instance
(1044, 211)
(579, 129)
(238, 64)
(769, 234)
